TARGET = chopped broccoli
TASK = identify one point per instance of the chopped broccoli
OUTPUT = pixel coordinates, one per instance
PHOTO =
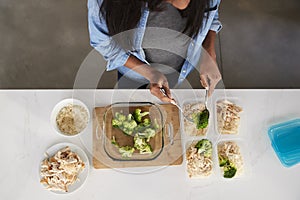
(204, 147)
(125, 123)
(229, 171)
(120, 116)
(228, 167)
(146, 122)
(141, 145)
(125, 151)
(201, 119)
(223, 161)
(147, 133)
(138, 115)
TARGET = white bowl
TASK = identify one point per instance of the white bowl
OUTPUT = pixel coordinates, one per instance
(59, 106)
(82, 176)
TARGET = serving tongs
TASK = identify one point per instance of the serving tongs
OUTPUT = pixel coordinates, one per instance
(175, 104)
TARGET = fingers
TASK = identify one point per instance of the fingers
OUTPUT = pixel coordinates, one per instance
(204, 80)
(210, 81)
(156, 91)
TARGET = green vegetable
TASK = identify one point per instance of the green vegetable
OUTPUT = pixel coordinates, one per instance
(204, 147)
(201, 119)
(141, 145)
(126, 151)
(142, 129)
(223, 161)
(138, 115)
(228, 167)
(229, 171)
(126, 123)
(147, 133)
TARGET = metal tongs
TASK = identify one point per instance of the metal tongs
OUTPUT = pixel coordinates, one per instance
(175, 103)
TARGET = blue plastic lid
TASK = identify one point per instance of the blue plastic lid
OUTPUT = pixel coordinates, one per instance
(285, 139)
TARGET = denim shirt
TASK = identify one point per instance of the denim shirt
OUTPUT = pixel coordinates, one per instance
(116, 56)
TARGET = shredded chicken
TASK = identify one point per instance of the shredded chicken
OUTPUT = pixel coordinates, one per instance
(231, 150)
(197, 164)
(61, 170)
(228, 117)
(190, 127)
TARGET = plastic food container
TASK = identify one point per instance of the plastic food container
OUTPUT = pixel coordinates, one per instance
(242, 120)
(243, 170)
(194, 106)
(157, 142)
(201, 177)
(285, 140)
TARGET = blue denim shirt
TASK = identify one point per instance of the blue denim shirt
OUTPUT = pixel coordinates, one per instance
(116, 57)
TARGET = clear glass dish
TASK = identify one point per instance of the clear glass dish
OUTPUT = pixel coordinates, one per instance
(156, 142)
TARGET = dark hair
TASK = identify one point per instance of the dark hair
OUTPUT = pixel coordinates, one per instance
(122, 15)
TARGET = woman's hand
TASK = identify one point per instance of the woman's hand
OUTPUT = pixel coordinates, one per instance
(209, 71)
(157, 79)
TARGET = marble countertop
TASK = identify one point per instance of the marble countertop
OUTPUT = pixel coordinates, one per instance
(26, 134)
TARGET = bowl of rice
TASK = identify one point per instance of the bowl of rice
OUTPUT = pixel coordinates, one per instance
(70, 117)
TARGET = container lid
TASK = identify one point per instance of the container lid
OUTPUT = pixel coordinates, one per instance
(285, 139)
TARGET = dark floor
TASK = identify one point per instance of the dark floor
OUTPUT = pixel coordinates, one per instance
(44, 42)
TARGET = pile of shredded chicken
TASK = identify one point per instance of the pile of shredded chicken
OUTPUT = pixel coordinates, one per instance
(231, 150)
(228, 117)
(189, 127)
(61, 170)
(198, 165)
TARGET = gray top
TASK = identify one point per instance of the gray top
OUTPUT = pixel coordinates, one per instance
(166, 48)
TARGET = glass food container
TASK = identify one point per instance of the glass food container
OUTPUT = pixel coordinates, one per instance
(110, 132)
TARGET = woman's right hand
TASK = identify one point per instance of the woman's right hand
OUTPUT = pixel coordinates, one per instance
(159, 82)
(157, 79)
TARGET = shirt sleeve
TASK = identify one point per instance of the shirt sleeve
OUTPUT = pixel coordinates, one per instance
(216, 24)
(101, 41)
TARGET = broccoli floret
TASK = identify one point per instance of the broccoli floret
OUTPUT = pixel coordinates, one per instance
(128, 127)
(147, 133)
(116, 123)
(141, 145)
(138, 115)
(146, 122)
(229, 171)
(126, 151)
(120, 116)
(223, 161)
(201, 119)
(204, 147)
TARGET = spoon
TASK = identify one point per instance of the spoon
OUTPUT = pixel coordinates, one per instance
(175, 104)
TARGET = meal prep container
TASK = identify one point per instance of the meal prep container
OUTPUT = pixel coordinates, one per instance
(157, 142)
(285, 140)
(243, 120)
(185, 129)
(245, 173)
(213, 175)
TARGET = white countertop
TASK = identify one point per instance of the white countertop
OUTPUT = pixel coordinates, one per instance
(26, 133)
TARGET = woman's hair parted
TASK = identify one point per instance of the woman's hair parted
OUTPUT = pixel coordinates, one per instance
(123, 15)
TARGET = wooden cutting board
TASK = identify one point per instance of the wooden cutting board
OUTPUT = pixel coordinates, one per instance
(171, 154)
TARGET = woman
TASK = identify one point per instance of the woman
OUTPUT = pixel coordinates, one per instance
(131, 52)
